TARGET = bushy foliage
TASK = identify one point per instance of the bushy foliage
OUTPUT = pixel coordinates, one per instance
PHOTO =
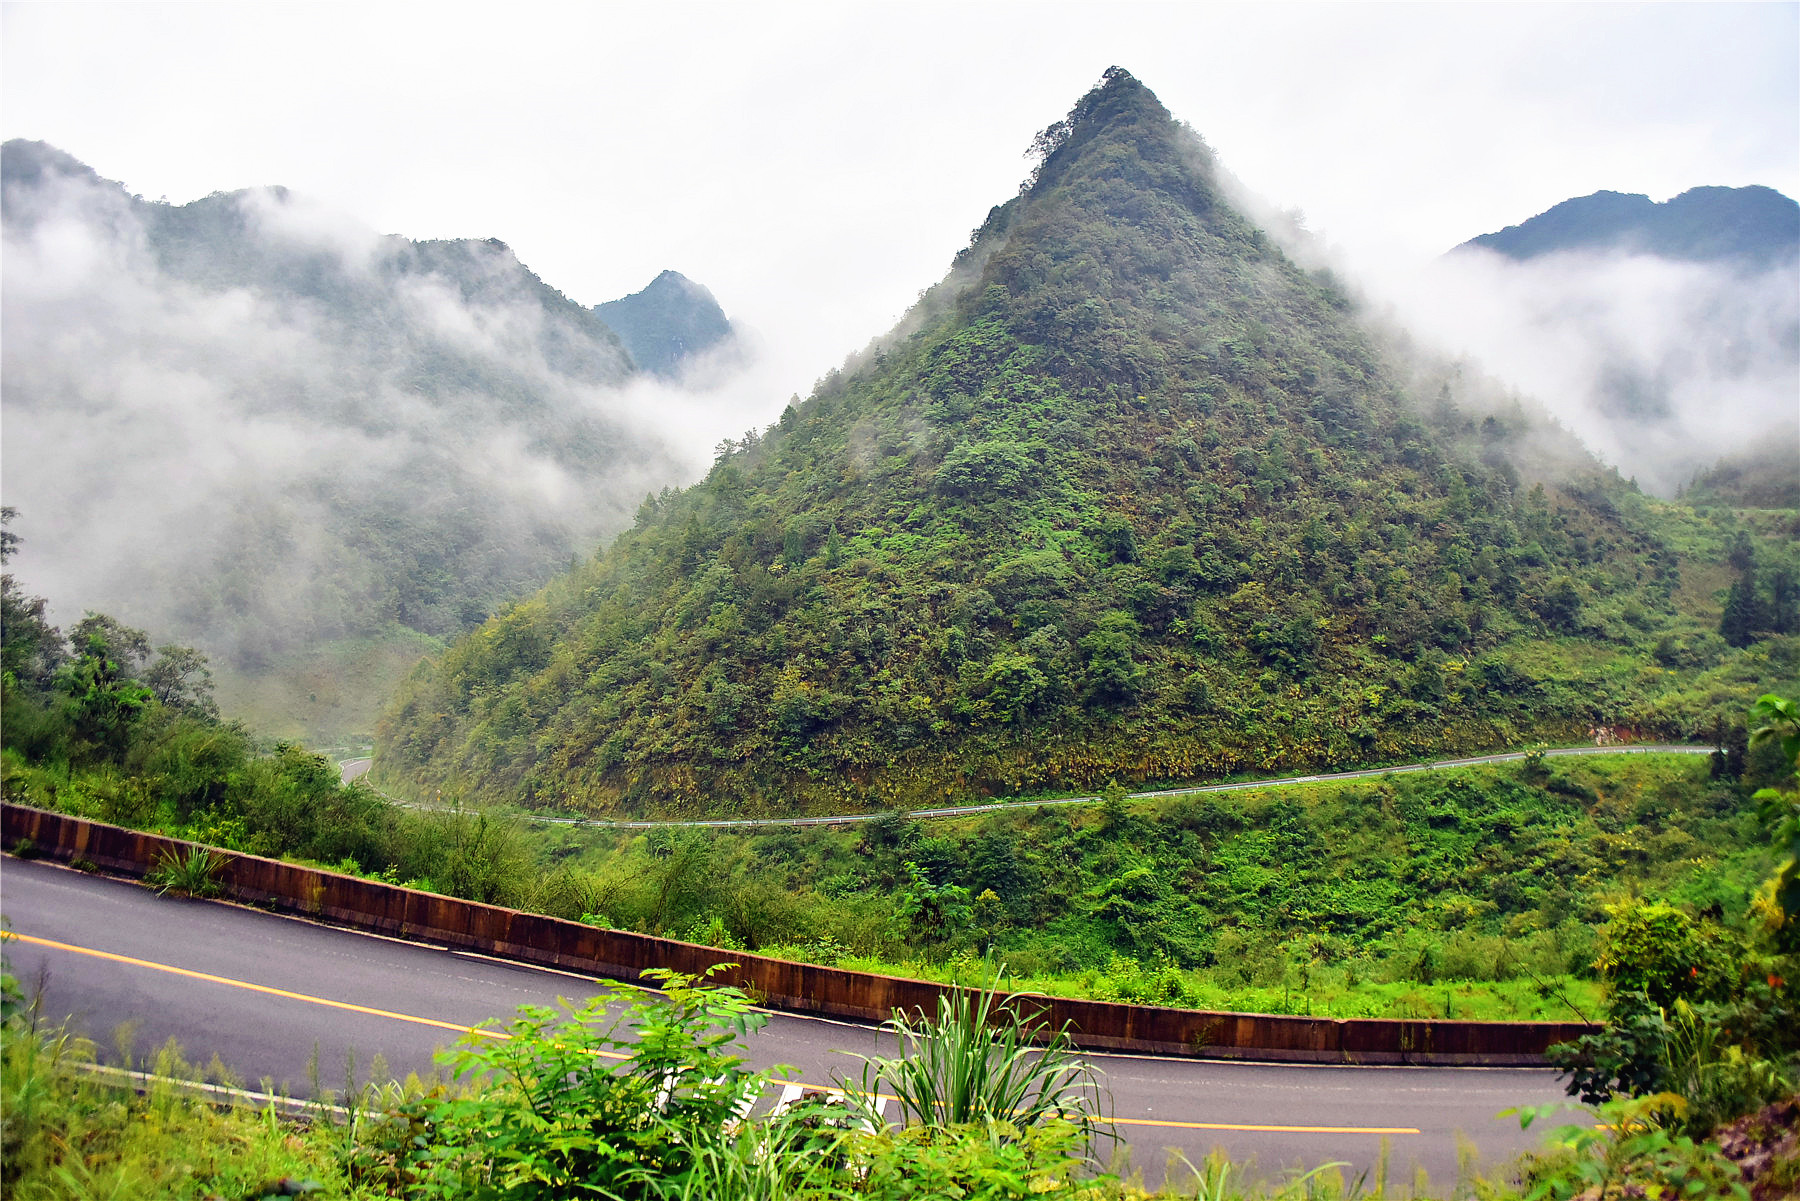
(1633, 1152)
(637, 1095)
(88, 736)
(1660, 952)
(1700, 1013)
(608, 1100)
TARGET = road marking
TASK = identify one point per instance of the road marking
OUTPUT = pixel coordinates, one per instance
(1267, 1129)
(791, 1090)
(267, 990)
(142, 1080)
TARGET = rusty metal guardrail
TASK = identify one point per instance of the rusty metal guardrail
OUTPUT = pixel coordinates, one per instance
(382, 908)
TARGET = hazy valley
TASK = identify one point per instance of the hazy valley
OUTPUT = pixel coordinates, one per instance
(252, 424)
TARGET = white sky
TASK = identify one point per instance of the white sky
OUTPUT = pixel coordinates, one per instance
(816, 165)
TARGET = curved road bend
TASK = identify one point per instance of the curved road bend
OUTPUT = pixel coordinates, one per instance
(355, 768)
(267, 994)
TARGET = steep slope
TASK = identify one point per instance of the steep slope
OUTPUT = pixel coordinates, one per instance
(1128, 495)
(254, 425)
(1754, 227)
(669, 322)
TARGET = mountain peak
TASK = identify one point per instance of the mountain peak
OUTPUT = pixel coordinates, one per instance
(1128, 494)
(27, 162)
(668, 321)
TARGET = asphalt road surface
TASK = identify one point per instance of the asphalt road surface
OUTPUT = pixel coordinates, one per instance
(291, 1001)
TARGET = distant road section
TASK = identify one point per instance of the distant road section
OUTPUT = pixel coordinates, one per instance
(354, 768)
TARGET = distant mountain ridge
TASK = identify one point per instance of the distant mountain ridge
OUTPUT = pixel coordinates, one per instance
(1667, 334)
(667, 323)
(1754, 226)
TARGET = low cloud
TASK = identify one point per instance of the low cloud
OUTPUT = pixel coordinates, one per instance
(1660, 367)
(319, 432)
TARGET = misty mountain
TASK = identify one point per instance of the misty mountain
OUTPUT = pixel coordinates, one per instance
(1666, 335)
(667, 323)
(1764, 477)
(1128, 495)
(253, 424)
(1754, 228)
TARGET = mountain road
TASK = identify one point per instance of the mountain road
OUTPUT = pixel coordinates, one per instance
(303, 1005)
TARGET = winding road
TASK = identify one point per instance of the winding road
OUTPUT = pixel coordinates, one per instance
(353, 769)
(293, 1002)
(300, 1006)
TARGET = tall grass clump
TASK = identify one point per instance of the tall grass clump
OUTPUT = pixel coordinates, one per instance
(195, 874)
(976, 1062)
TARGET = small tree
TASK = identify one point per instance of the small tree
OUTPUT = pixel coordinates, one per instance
(929, 912)
(1661, 952)
(1777, 719)
(1743, 616)
(181, 679)
(103, 701)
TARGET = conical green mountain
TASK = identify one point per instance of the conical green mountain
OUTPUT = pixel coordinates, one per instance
(1129, 495)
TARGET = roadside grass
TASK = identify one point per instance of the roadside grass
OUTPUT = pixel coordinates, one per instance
(67, 1135)
(1326, 993)
(535, 1120)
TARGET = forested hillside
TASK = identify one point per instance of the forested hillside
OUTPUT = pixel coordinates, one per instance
(308, 448)
(1128, 495)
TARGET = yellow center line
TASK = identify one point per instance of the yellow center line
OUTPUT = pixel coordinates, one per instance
(265, 989)
(11, 936)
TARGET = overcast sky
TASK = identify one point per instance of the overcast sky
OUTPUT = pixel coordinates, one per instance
(816, 165)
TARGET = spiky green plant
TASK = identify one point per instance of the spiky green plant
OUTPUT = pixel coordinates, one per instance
(195, 874)
(980, 1062)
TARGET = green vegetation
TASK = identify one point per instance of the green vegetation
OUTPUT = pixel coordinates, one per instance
(1767, 476)
(1469, 893)
(103, 727)
(1703, 1028)
(1129, 496)
(642, 1097)
(977, 1064)
(66, 1135)
(194, 874)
